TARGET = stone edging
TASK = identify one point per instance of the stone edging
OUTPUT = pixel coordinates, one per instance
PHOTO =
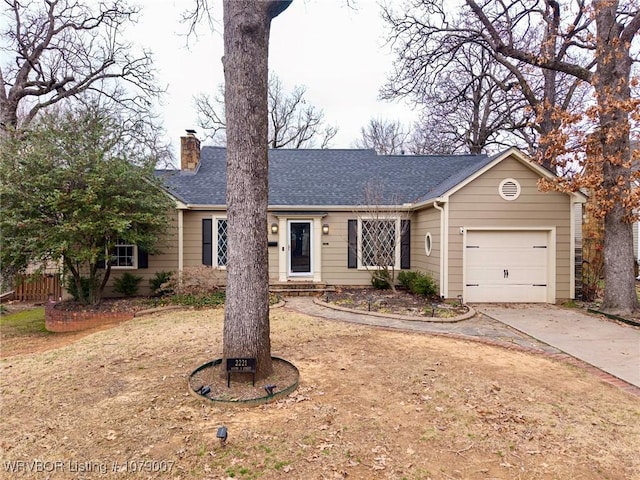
(151, 311)
(459, 318)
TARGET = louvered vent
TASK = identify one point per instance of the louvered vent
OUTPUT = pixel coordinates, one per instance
(509, 189)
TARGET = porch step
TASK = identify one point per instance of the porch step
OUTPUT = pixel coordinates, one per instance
(300, 289)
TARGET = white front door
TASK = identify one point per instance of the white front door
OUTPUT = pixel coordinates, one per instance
(300, 237)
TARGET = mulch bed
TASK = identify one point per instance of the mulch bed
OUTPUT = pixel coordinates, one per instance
(400, 302)
(134, 304)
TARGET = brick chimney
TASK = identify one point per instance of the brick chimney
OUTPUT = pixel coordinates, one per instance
(189, 151)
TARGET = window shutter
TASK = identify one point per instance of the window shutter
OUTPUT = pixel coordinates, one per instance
(405, 244)
(143, 258)
(352, 254)
(207, 235)
(101, 263)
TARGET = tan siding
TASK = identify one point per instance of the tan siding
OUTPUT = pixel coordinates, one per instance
(167, 260)
(426, 221)
(273, 253)
(334, 253)
(192, 240)
(479, 204)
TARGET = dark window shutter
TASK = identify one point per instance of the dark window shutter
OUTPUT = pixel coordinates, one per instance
(101, 263)
(207, 235)
(405, 244)
(143, 258)
(352, 254)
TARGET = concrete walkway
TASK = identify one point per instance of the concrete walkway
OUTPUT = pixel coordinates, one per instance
(610, 347)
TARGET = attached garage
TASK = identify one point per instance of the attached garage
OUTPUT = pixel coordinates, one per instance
(509, 265)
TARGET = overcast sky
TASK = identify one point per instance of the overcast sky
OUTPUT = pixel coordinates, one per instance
(338, 52)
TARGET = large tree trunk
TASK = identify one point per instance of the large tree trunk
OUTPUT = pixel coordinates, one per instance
(613, 94)
(548, 121)
(246, 48)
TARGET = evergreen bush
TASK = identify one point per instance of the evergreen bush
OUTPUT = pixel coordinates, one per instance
(127, 284)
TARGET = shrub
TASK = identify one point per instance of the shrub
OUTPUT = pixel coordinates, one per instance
(126, 284)
(418, 283)
(160, 283)
(72, 288)
(406, 278)
(200, 280)
(195, 287)
(380, 279)
(425, 285)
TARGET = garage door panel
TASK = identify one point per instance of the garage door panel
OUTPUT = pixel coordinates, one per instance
(523, 293)
(507, 276)
(506, 266)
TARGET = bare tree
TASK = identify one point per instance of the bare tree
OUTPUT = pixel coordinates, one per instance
(142, 138)
(478, 97)
(211, 118)
(64, 48)
(385, 137)
(473, 104)
(246, 46)
(293, 123)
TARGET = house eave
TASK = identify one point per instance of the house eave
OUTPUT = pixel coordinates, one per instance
(429, 202)
(200, 206)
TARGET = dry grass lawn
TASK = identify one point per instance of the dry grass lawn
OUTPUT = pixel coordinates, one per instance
(372, 404)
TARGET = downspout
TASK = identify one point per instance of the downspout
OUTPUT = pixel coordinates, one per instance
(180, 241)
(444, 250)
(572, 249)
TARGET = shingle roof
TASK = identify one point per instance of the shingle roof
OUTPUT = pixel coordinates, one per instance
(330, 177)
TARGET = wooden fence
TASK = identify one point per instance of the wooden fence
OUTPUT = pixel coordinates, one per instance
(37, 288)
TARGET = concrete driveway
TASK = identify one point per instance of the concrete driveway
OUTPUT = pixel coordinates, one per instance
(608, 345)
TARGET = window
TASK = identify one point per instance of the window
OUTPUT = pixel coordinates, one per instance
(428, 243)
(379, 246)
(123, 255)
(221, 234)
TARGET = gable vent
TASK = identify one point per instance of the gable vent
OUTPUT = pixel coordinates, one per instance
(509, 189)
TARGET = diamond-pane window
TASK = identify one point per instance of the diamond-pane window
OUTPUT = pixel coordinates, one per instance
(378, 243)
(222, 242)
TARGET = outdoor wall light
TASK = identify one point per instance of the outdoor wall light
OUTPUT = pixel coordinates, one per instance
(325, 229)
(274, 228)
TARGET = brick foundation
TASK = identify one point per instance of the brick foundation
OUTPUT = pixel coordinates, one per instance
(63, 321)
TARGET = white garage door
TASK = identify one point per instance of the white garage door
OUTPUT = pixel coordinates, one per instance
(506, 266)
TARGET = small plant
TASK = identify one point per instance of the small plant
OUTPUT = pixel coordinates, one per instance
(160, 283)
(418, 283)
(127, 284)
(202, 451)
(571, 304)
(213, 299)
(381, 279)
(406, 277)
